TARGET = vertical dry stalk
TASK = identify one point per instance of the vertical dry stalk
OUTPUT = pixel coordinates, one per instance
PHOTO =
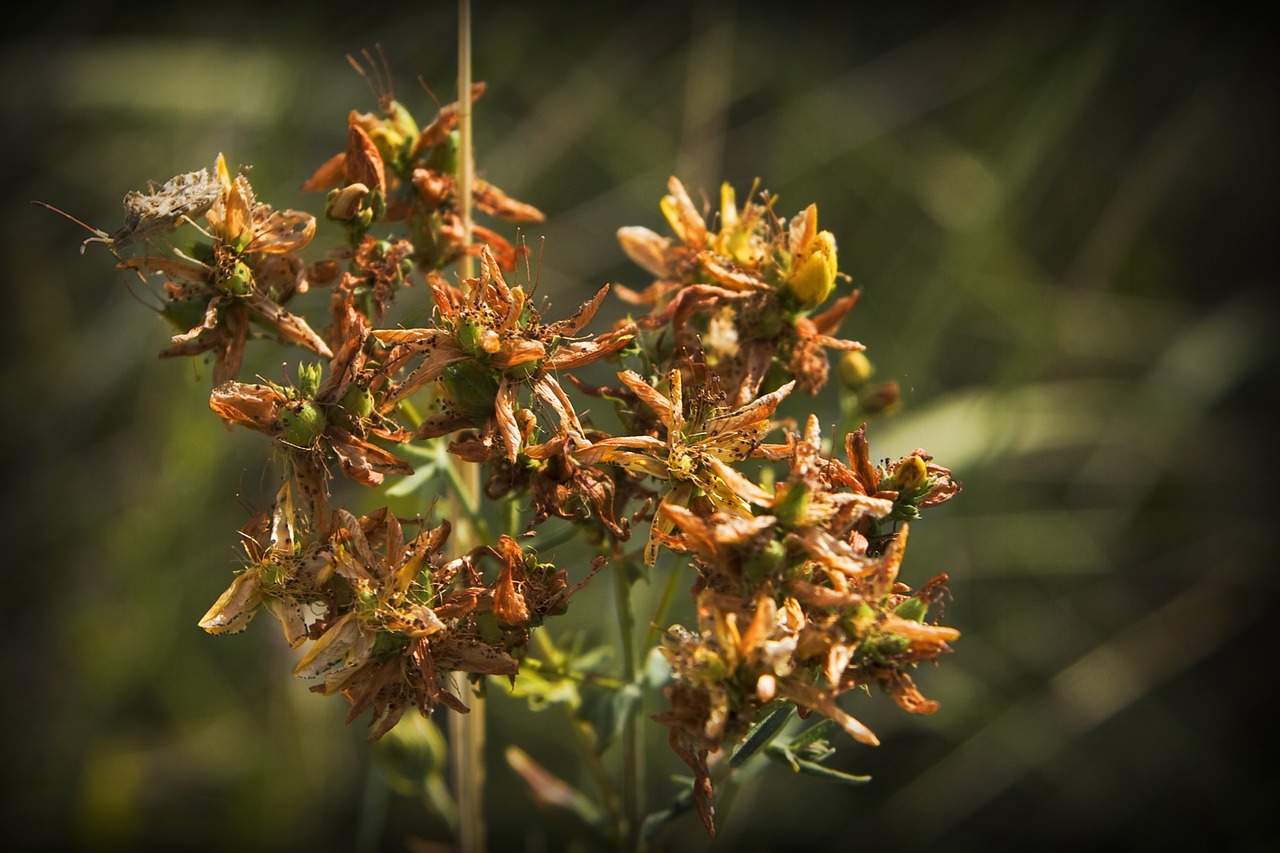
(467, 731)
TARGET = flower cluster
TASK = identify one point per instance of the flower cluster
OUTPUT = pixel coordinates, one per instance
(796, 553)
(797, 591)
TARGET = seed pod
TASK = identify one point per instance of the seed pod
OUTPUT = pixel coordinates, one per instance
(237, 279)
(357, 401)
(471, 388)
(791, 508)
(301, 423)
(913, 609)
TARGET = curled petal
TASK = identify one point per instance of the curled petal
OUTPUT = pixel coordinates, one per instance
(254, 406)
(647, 248)
(236, 607)
(809, 696)
(342, 646)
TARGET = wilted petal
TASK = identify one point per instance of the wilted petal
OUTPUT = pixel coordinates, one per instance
(236, 607)
(342, 646)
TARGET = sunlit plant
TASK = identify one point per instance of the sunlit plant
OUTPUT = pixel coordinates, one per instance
(792, 549)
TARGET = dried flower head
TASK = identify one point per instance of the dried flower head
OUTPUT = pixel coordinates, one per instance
(488, 347)
(235, 279)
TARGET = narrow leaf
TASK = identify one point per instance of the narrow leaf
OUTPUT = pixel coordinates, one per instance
(762, 732)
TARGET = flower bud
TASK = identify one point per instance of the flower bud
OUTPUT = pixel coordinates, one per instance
(813, 271)
(855, 369)
(344, 204)
(910, 475)
(309, 379)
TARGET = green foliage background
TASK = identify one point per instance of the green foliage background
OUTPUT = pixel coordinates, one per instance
(1057, 221)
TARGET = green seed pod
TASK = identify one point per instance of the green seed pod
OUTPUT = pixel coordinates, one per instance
(301, 423)
(524, 369)
(357, 401)
(882, 647)
(471, 388)
(444, 157)
(913, 609)
(184, 314)
(859, 620)
(237, 279)
(760, 563)
(791, 508)
(469, 332)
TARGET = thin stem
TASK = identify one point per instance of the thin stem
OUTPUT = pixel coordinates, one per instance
(632, 767)
(660, 612)
(467, 731)
(466, 152)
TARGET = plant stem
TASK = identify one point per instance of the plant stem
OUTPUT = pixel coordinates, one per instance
(467, 731)
(466, 153)
(632, 767)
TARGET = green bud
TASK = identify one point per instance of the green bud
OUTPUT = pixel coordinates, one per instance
(855, 369)
(301, 423)
(309, 379)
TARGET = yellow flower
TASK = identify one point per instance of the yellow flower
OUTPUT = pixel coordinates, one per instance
(813, 265)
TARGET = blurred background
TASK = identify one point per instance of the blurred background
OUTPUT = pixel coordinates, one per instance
(1057, 220)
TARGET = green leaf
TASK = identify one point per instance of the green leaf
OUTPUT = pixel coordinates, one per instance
(762, 732)
(809, 768)
(424, 471)
(681, 805)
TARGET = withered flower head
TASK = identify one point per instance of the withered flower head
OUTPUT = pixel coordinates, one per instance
(392, 622)
(489, 346)
(392, 171)
(693, 455)
(235, 279)
(742, 296)
(286, 573)
(312, 422)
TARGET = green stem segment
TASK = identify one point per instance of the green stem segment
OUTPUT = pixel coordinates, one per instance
(632, 755)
